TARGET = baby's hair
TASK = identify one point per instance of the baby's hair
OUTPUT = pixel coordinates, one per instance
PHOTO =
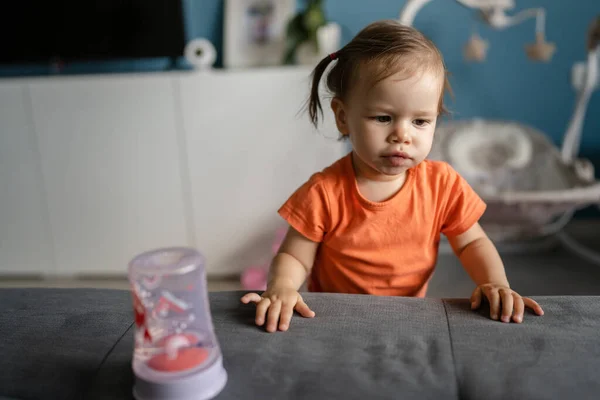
(385, 47)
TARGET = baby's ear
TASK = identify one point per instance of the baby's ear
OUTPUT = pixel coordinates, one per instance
(341, 117)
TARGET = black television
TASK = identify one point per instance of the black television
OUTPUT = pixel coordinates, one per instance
(48, 31)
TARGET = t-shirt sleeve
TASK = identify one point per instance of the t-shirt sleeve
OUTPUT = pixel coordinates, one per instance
(463, 207)
(307, 210)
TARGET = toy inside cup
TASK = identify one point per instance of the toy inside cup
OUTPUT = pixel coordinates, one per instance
(180, 353)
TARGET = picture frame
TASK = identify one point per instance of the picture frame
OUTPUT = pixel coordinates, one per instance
(255, 32)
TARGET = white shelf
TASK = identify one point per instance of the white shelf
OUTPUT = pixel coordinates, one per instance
(25, 241)
(106, 166)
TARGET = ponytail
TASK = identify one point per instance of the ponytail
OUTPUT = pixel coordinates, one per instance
(385, 47)
(314, 103)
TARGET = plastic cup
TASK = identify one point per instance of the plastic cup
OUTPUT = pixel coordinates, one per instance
(176, 352)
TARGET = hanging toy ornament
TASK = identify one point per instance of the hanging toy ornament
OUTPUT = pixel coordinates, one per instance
(540, 50)
(475, 49)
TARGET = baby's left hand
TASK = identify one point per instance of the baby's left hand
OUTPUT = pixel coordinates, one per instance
(503, 300)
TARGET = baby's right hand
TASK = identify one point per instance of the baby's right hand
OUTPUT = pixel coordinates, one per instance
(280, 303)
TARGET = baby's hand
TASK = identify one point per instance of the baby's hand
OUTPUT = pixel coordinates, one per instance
(504, 299)
(280, 303)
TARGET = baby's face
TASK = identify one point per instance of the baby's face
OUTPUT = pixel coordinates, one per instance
(391, 124)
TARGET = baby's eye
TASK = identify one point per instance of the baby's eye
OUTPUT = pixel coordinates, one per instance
(420, 122)
(384, 119)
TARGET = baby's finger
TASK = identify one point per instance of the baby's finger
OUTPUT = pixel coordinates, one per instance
(507, 304)
(533, 305)
(287, 310)
(303, 309)
(519, 308)
(261, 310)
(273, 316)
(251, 298)
(494, 300)
(476, 298)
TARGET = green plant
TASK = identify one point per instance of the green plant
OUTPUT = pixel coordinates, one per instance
(303, 27)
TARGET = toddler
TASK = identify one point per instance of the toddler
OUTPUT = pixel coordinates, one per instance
(370, 223)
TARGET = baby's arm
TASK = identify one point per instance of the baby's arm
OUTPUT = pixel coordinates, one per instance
(288, 271)
(481, 260)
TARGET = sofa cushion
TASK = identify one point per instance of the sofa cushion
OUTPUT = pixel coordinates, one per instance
(356, 347)
(556, 356)
(54, 340)
(78, 343)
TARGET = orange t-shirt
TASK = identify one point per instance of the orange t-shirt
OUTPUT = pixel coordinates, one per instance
(388, 248)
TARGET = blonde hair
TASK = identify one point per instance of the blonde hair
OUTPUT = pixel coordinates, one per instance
(385, 48)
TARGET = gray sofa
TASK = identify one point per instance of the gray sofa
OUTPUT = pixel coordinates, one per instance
(77, 344)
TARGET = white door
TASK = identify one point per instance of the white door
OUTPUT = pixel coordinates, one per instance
(110, 155)
(25, 245)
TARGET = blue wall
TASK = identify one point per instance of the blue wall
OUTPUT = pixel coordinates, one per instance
(506, 86)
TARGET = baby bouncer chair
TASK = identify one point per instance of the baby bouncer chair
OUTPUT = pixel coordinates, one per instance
(532, 188)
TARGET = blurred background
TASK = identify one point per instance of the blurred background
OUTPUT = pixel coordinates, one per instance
(131, 125)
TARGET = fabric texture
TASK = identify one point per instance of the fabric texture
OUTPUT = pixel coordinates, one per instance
(385, 248)
(556, 356)
(114, 378)
(53, 341)
(357, 347)
(78, 343)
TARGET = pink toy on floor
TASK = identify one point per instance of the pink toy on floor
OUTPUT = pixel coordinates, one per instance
(255, 277)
